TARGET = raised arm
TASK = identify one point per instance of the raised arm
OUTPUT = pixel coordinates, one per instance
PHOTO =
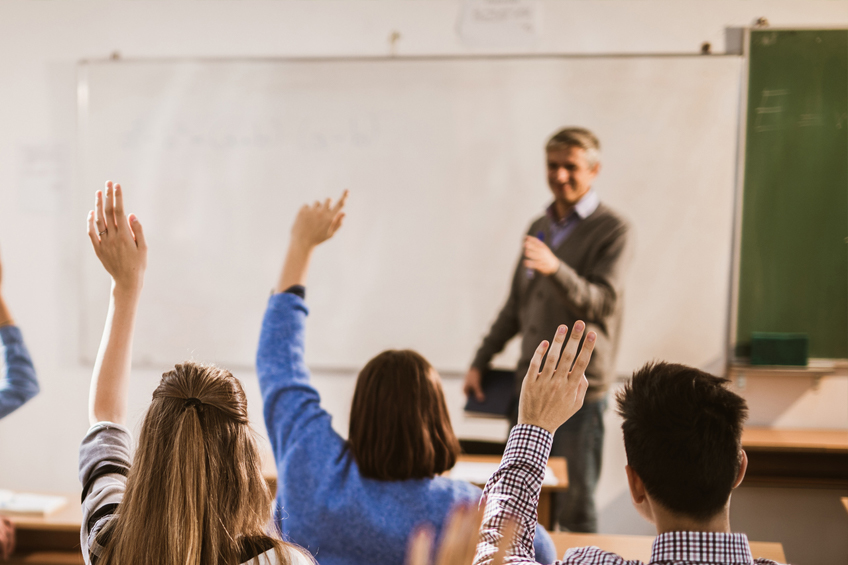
(548, 399)
(18, 384)
(289, 400)
(119, 243)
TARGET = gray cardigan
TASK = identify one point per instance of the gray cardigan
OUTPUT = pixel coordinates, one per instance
(587, 286)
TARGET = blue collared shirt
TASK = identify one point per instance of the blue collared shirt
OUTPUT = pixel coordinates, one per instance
(561, 228)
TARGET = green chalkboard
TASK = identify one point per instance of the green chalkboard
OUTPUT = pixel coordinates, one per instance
(793, 264)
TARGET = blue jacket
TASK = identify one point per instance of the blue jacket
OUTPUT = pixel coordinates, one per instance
(323, 503)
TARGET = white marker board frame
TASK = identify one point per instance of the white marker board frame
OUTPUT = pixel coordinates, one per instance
(444, 159)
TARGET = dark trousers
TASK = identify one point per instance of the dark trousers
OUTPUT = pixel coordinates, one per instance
(581, 441)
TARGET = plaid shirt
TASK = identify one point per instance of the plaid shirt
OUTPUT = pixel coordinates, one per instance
(514, 491)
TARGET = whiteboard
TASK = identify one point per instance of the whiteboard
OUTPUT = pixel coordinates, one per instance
(445, 163)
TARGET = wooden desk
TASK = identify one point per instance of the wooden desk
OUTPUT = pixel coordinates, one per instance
(546, 499)
(639, 547)
(786, 457)
(50, 540)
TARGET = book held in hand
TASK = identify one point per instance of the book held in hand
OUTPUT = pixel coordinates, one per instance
(499, 389)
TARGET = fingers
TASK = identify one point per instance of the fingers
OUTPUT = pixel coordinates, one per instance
(571, 347)
(585, 355)
(478, 392)
(459, 541)
(508, 536)
(536, 361)
(337, 223)
(474, 388)
(99, 217)
(420, 547)
(531, 248)
(340, 204)
(138, 232)
(447, 551)
(119, 206)
(471, 533)
(92, 232)
(553, 354)
(109, 207)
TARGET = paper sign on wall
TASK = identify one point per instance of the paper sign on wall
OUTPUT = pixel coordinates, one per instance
(499, 23)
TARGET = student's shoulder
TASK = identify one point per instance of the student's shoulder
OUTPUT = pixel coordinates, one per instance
(456, 490)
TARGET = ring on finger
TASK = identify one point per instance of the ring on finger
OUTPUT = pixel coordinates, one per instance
(101, 233)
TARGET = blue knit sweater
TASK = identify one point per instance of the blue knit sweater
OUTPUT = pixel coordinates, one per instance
(323, 503)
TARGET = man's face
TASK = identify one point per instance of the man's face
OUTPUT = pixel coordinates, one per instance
(569, 175)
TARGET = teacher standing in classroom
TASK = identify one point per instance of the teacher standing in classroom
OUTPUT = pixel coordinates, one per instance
(572, 268)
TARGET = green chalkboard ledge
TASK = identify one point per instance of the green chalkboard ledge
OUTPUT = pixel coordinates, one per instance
(738, 372)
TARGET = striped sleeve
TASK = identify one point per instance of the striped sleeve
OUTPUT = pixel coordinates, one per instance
(513, 493)
(104, 465)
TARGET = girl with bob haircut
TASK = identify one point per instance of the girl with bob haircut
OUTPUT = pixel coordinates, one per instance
(354, 502)
(195, 493)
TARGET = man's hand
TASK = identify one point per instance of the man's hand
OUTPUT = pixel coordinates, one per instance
(552, 396)
(7, 538)
(317, 223)
(474, 384)
(539, 257)
(118, 240)
(459, 540)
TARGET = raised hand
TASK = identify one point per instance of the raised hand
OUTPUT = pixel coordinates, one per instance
(313, 225)
(119, 243)
(552, 396)
(459, 540)
(539, 257)
(118, 240)
(317, 223)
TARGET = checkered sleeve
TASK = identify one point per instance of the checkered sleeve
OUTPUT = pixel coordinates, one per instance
(513, 493)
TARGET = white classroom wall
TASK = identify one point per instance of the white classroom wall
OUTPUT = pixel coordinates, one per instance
(41, 42)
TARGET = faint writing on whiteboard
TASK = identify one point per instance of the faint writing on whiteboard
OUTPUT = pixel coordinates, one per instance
(770, 109)
(499, 23)
(43, 173)
(306, 134)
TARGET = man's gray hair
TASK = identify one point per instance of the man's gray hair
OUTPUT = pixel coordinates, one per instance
(577, 137)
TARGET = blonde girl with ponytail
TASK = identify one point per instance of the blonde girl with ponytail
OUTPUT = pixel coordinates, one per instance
(194, 492)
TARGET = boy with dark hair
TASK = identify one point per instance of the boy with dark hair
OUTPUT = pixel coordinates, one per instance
(682, 434)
